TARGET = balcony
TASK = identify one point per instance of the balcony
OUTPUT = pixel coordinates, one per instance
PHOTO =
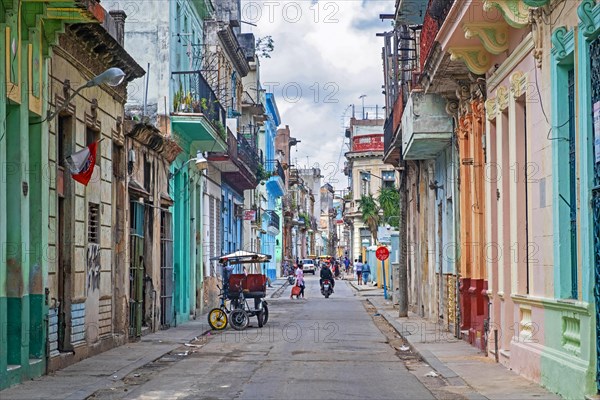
(276, 182)
(273, 222)
(366, 146)
(391, 133)
(294, 177)
(238, 165)
(437, 11)
(251, 104)
(197, 117)
(426, 127)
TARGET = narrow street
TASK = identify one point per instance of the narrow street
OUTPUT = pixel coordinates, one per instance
(314, 348)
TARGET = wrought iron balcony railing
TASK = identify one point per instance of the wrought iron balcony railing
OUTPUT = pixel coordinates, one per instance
(274, 168)
(437, 11)
(193, 95)
(247, 153)
(273, 221)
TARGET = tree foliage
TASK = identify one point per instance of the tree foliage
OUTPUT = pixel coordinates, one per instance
(370, 214)
(389, 200)
(264, 46)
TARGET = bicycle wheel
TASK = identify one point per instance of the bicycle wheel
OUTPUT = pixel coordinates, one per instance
(238, 319)
(217, 319)
(265, 313)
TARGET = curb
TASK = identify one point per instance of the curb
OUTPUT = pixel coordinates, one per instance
(279, 291)
(446, 372)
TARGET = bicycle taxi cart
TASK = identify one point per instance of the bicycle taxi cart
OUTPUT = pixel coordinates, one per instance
(238, 289)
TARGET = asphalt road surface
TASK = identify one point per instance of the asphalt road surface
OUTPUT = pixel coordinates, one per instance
(313, 348)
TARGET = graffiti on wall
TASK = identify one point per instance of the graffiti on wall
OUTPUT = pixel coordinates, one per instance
(93, 266)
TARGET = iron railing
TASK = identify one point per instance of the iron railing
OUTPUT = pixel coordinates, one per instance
(192, 94)
(274, 221)
(437, 11)
(247, 153)
(275, 169)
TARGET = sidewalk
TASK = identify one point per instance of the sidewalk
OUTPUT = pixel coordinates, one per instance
(461, 364)
(103, 371)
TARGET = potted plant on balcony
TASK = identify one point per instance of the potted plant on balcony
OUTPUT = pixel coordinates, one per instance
(261, 173)
(220, 128)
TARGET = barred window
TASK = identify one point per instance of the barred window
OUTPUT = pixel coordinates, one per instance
(93, 223)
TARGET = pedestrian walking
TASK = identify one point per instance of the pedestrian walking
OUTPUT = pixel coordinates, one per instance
(300, 280)
(366, 272)
(358, 266)
(347, 265)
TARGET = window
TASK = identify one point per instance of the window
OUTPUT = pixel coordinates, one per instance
(389, 179)
(564, 169)
(63, 137)
(93, 223)
(91, 136)
(147, 174)
(572, 181)
(365, 183)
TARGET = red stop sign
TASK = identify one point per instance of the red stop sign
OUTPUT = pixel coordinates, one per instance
(382, 253)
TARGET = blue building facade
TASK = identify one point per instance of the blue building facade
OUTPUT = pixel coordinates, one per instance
(275, 186)
(231, 219)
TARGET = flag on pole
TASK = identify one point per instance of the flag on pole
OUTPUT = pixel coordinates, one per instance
(82, 163)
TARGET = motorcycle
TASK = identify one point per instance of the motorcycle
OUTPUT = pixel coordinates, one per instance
(290, 279)
(326, 288)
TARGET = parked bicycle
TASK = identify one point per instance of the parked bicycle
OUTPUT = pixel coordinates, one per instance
(240, 288)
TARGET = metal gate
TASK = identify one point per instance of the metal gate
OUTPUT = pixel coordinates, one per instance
(136, 269)
(595, 195)
(166, 270)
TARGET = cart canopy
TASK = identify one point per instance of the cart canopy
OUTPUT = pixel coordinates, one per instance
(243, 257)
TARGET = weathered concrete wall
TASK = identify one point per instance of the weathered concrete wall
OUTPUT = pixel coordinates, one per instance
(81, 279)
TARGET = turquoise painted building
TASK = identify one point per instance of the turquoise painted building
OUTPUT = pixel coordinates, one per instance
(275, 187)
(197, 121)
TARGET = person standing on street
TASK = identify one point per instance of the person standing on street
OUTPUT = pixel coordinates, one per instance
(300, 280)
(358, 266)
(366, 271)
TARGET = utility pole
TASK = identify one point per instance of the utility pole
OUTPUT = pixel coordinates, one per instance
(402, 263)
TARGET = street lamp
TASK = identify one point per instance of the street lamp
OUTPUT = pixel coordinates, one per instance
(364, 172)
(200, 160)
(112, 77)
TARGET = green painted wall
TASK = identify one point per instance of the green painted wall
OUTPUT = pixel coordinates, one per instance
(568, 371)
(3, 300)
(181, 240)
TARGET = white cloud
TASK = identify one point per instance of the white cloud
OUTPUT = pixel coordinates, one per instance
(330, 51)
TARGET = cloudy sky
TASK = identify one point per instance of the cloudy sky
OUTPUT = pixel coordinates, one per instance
(326, 55)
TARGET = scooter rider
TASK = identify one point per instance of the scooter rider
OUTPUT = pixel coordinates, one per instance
(326, 274)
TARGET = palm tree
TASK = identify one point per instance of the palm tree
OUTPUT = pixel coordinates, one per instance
(370, 214)
(389, 199)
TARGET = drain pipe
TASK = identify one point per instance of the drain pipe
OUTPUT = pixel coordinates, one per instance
(153, 309)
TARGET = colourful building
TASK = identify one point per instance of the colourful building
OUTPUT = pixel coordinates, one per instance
(56, 274)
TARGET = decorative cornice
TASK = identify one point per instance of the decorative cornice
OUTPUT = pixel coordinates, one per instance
(536, 3)
(518, 84)
(151, 137)
(475, 58)
(511, 63)
(491, 108)
(537, 25)
(493, 36)
(515, 12)
(502, 98)
(585, 11)
(233, 49)
(559, 45)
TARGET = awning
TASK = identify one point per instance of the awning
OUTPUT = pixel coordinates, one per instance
(242, 257)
